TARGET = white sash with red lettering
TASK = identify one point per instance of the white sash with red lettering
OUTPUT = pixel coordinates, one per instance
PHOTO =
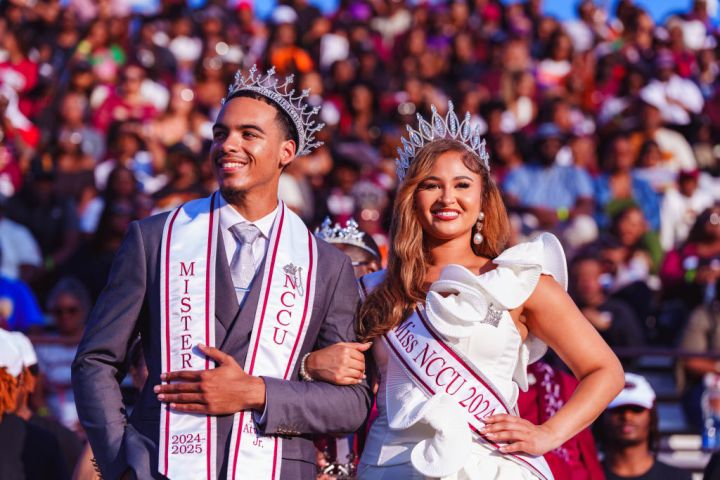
(187, 441)
(281, 321)
(436, 368)
(187, 304)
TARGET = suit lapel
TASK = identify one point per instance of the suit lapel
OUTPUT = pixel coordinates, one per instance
(226, 305)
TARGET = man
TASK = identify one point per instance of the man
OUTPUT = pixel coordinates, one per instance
(629, 434)
(551, 196)
(237, 279)
(614, 319)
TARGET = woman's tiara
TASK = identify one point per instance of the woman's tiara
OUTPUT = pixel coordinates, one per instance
(439, 128)
(284, 97)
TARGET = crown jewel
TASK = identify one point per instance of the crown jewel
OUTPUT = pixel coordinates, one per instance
(349, 235)
(438, 128)
(283, 95)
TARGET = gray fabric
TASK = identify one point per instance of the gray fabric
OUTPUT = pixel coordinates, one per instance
(130, 305)
(242, 267)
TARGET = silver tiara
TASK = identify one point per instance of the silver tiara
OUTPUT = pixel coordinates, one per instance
(298, 110)
(349, 235)
(438, 128)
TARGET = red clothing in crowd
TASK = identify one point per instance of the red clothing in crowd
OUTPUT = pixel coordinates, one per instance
(577, 458)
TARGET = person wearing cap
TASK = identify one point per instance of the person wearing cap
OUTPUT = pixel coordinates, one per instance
(27, 451)
(629, 434)
(68, 441)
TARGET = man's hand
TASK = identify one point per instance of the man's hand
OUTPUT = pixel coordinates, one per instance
(224, 390)
(341, 364)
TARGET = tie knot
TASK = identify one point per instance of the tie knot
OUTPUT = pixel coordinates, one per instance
(245, 232)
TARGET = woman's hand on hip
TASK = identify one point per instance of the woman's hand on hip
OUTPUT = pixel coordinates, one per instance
(519, 435)
(342, 363)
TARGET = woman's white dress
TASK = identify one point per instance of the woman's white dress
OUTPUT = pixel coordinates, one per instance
(474, 318)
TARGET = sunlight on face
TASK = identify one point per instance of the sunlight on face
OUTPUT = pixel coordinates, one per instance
(447, 202)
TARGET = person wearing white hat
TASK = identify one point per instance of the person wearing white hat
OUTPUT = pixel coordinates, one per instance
(629, 435)
(27, 451)
(69, 442)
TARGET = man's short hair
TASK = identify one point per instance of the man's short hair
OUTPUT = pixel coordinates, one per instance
(283, 119)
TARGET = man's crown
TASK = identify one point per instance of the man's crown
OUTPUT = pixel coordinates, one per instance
(438, 128)
(297, 109)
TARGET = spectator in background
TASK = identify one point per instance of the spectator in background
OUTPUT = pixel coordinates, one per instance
(677, 98)
(129, 148)
(560, 198)
(650, 167)
(27, 451)
(690, 272)
(674, 148)
(73, 128)
(183, 179)
(91, 263)
(620, 183)
(50, 217)
(548, 390)
(616, 321)
(629, 435)
(701, 335)
(680, 208)
(21, 257)
(69, 306)
(19, 309)
(69, 442)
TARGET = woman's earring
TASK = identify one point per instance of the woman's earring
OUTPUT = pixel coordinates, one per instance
(478, 237)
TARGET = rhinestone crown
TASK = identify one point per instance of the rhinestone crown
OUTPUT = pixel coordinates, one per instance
(283, 95)
(438, 128)
(348, 235)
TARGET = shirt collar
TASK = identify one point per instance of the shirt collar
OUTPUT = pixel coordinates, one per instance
(229, 217)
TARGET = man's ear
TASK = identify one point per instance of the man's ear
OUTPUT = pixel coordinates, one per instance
(287, 152)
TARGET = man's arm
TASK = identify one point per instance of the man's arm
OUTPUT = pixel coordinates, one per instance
(294, 407)
(99, 364)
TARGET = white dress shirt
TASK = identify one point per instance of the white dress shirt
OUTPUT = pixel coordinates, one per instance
(229, 217)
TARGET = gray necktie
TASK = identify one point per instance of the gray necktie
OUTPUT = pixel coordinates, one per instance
(243, 265)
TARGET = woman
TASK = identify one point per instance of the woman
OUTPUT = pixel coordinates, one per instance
(489, 311)
(69, 305)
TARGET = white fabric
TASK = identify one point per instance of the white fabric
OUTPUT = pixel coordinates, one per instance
(677, 215)
(18, 247)
(666, 95)
(677, 147)
(498, 351)
(26, 349)
(10, 356)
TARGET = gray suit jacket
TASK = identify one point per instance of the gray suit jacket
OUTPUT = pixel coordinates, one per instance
(130, 304)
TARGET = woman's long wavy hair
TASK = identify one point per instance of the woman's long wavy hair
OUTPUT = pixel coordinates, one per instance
(403, 287)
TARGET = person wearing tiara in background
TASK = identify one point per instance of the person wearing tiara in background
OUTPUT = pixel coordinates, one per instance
(229, 293)
(338, 456)
(456, 319)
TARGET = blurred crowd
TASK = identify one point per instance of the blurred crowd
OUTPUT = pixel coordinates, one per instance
(604, 130)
